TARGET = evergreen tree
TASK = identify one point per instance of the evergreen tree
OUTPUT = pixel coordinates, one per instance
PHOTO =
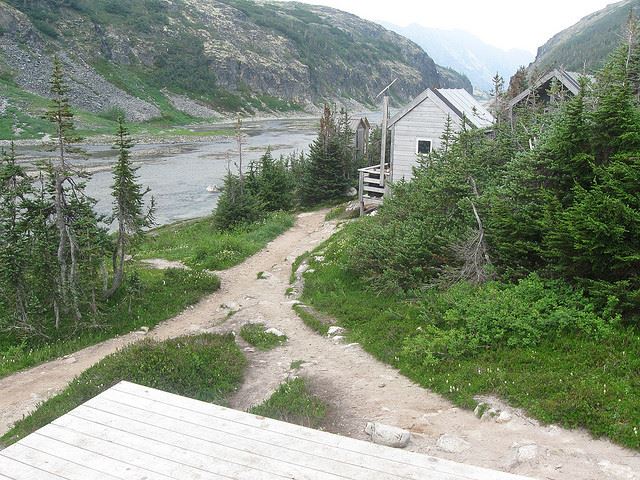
(498, 96)
(61, 116)
(237, 205)
(324, 177)
(518, 83)
(128, 204)
(272, 183)
(15, 188)
(448, 136)
(76, 223)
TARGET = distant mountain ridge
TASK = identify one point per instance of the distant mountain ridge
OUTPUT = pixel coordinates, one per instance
(465, 53)
(587, 44)
(161, 58)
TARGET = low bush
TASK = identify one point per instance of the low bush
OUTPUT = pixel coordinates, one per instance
(465, 319)
(205, 367)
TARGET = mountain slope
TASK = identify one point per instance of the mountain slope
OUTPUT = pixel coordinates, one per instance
(587, 44)
(153, 58)
(465, 53)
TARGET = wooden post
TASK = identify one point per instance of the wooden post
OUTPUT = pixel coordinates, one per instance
(361, 193)
(383, 141)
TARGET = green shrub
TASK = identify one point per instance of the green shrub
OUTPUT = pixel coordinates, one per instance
(569, 378)
(238, 205)
(255, 334)
(465, 320)
(293, 403)
(272, 182)
(206, 367)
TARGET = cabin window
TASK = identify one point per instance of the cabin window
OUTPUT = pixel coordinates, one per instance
(423, 147)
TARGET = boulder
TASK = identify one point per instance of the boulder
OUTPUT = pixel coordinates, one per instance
(525, 452)
(452, 444)
(504, 417)
(353, 207)
(387, 435)
(275, 331)
(333, 331)
(351, 192)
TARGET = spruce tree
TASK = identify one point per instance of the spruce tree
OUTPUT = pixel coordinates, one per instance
(78, 231)
(448, 136)
(324, 177)
(128, 205)
(272, 182)
(237, 205)
(61, 116)
(15, 189)
(498, 93)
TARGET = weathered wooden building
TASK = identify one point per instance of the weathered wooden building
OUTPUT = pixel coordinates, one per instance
(361, 129)
(416, 131)
(567, 84)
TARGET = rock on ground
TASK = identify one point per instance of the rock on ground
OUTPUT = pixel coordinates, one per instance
(452, 444)
(275, 331)
(387, 435)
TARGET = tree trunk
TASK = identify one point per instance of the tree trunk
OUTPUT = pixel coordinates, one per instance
(118, 264)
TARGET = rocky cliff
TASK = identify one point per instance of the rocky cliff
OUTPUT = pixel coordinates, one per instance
(587, 44)
(152, 58)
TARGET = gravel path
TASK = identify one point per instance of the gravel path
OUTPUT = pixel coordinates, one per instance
(357, 387)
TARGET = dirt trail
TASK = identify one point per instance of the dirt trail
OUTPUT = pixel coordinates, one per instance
(357, 387)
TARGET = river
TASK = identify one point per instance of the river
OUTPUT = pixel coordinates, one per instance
(178, 174)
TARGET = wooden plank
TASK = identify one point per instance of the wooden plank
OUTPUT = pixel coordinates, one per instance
(50, 463)
(100, 462)
(160, 458)
(296, 433)
(18, 470)
(271, 447)
(193, 451)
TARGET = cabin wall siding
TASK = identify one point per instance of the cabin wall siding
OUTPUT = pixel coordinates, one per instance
(426, 121)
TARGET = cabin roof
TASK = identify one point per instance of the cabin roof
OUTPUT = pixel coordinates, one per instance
(354, 123)
(135, 432)
(456, 102)
(570, 81)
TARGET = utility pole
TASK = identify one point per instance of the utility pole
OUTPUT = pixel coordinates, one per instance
(385, 124)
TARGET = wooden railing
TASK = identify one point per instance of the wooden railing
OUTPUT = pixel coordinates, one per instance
(372, 185)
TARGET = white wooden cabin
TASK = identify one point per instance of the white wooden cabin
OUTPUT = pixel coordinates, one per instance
(417, 130)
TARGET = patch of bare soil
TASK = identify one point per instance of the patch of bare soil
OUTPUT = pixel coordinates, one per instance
(357, 387)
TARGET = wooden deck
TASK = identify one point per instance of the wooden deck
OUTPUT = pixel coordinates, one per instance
(138, 433)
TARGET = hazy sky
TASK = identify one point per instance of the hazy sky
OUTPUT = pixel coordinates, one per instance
(525, 24)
